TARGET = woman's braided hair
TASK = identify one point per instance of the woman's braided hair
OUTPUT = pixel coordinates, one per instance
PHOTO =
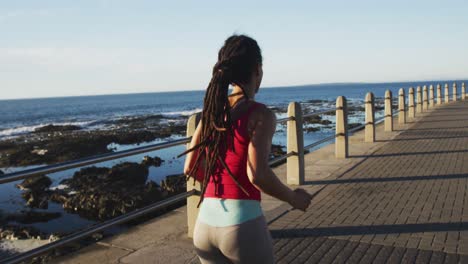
(237, 60)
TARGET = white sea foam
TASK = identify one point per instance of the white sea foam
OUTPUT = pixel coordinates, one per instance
(59, 187)
(9, 132)
(182, 113)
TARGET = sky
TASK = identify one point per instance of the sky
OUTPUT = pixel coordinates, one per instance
(67, 48)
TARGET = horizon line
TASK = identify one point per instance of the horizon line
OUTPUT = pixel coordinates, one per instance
(266, 87)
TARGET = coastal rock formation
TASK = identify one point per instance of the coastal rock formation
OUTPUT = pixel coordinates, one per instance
(149, 161)
(35, 191)
(311, 129)
(99, 193)
(15, 232)
(65, 145)
(56, 128)
(35, 183)
(174, 184)
(276, 151)
(316, 120)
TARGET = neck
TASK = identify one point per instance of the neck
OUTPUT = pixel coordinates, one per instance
(239, 92)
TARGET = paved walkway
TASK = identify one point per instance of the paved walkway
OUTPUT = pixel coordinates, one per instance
(401, 199)
(407, 202)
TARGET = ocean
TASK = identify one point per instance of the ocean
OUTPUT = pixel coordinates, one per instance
(92, 112)
(22, 116)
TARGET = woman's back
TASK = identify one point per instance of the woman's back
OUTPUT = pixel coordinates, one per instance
(222, 185)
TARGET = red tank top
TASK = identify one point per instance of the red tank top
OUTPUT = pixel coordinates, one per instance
(221, 185)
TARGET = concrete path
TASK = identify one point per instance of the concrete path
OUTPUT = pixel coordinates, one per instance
(401, 199)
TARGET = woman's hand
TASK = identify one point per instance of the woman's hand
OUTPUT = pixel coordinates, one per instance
(300, 199)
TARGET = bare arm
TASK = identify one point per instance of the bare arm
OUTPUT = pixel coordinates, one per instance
(192, 156)
(258, 169)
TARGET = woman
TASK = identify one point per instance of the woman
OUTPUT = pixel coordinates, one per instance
(229, 155)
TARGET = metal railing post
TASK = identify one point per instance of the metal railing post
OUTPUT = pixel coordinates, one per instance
(192, 201)
(341, 129)
(295, 138)
(388, 111)
(401, 106)
(411, 108)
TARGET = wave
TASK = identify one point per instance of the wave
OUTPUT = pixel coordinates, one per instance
(182, 113)
(21, 130)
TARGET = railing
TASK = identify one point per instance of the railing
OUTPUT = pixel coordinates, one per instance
(294, 155)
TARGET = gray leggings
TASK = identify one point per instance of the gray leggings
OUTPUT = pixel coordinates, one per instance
(248, 242)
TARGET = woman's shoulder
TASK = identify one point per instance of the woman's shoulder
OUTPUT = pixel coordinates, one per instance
(262, 112)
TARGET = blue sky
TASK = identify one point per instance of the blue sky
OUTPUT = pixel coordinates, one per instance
(62, 48)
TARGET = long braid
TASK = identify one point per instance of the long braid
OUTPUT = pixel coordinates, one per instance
(236, 60)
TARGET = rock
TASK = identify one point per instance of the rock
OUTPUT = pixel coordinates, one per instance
(103, 193)
(311, 129)
(86, 177)
(53, 237)
(276, 151)
(278, 109)
(36, 191)
(68, 144)
(15, 232)
(127, 173)
(315, 101)
(35, 183)
(140, 121)
(316, 119)
(174, 184)
(56, 128)
(39, 151)
(153, 191)
(59, 197)
(149, 161)
(36, 199)
(356, 108)
(379, 107)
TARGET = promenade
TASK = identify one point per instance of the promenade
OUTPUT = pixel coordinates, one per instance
(406, 202)
(402, 199)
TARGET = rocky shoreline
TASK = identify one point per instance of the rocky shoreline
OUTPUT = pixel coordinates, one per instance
(53, 144)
